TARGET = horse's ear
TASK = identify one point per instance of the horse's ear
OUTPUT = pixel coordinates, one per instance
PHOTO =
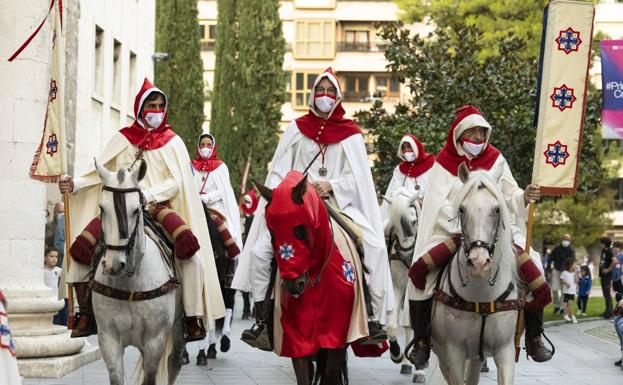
(386, 199)
(299, 190)
(264, 191)
(463, 172)
(102, 171)
(142, 170)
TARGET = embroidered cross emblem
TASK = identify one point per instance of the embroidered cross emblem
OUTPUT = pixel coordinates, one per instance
(556, 154)
(348, 271)
(286, 251)
(568, 40)
(53, 90)
(563, 97)
(52, 145)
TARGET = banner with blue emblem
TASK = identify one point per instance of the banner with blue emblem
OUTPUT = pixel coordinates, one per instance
(563, 75)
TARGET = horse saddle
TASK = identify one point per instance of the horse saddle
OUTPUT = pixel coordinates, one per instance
(217, 224)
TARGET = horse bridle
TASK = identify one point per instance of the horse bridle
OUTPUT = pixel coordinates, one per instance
(468, 246)
(119, 203)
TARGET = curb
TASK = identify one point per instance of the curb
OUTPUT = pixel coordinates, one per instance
(563, 322)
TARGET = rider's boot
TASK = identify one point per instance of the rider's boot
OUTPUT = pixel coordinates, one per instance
(376, 334)
(195, 330)
(534, 344)
(86, 325)
(420, 316)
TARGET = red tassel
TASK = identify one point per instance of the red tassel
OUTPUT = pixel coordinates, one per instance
(81, 250)
(186, 245)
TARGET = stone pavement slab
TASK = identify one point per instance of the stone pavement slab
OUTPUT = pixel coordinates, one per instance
(585, 353)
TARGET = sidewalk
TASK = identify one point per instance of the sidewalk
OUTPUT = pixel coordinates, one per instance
(585, 353)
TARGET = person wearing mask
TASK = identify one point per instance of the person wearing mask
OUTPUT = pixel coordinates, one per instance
(560, 254)
(607, 263)
(617, 274)
(171, 198)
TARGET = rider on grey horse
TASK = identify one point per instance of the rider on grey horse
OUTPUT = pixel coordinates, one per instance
(468, 142)
(170, 188)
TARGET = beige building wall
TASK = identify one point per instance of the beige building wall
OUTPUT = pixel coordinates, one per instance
(116, 42)
(319, 34)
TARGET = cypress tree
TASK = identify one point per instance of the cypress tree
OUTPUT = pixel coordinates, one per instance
(225, 90)
(261, 47)
(181, 76)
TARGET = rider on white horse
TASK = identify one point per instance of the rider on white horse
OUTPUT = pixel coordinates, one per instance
(468, 142)
(170, 187)
(412, 173)
(212, 178)
(331, 149)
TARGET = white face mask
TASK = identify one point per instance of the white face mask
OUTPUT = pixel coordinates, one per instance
(409, 156)
(473, 148)
(566, 243)
(205, 152)
(324, 103)
(154, 118)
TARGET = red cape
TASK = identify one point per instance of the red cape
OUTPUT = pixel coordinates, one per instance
(329, 131)
(209, 165)
(148, 140)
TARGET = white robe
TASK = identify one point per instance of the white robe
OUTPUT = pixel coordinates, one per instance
(349, 173)
(437, 223)
(401, 180)
(167, 179)
(221, 196)
(9, 375)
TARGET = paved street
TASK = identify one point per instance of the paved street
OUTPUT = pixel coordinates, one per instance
(584, 355)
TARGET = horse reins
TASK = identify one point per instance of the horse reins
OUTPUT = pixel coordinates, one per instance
(490, 247)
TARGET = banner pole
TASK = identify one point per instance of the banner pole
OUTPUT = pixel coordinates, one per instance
(67, 260)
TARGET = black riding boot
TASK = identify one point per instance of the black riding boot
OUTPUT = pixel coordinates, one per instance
(534, 344)
(420, 316)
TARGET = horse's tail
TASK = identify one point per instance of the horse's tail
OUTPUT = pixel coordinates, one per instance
(162, 376)
(321, 368)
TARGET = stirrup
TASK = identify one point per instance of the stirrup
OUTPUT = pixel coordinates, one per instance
(257, 337)
(377, 335)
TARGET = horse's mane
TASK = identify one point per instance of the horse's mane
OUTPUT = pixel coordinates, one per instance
(504, 251)
(400, 207)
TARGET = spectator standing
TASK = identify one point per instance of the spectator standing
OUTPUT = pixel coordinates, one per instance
(617, 250)
(51, 272)
(585, 283)
(560, 254)
(607, 262)
(569, 283)
(59, 232)
(618, 325)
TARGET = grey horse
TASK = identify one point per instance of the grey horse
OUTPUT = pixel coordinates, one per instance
(132, 267)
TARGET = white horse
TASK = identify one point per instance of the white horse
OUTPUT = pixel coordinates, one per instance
(135, 301)
(482, 280)
(403, 222)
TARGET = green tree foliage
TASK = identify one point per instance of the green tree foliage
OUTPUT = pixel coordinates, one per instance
(496, 19)
(181, 76)
(249, 84)
(444, 73)
(226, 82)
(262, 87)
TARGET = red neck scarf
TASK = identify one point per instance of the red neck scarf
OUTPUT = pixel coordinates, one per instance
(327, 131)
(451, 160)
(148, 140)
(209, 165)
(421, 164)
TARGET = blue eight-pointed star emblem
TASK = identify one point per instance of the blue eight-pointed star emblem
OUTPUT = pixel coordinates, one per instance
(286, 251)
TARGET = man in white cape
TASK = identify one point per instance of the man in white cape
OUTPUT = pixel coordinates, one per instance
(330, 148)
(168, 183)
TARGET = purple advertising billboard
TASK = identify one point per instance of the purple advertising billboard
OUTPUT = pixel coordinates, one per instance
(612, 88)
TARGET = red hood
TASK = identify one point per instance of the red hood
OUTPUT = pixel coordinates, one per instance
(210, 164)
(137, 134)
(422, 163)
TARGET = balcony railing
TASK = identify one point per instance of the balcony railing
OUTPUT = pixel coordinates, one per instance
(347, 46)
(207, 45)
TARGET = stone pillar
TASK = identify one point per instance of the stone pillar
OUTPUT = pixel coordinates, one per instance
(23, 93)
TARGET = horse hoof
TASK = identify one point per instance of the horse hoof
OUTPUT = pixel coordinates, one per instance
(419, 378)
(397, 359)
(406, 369)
